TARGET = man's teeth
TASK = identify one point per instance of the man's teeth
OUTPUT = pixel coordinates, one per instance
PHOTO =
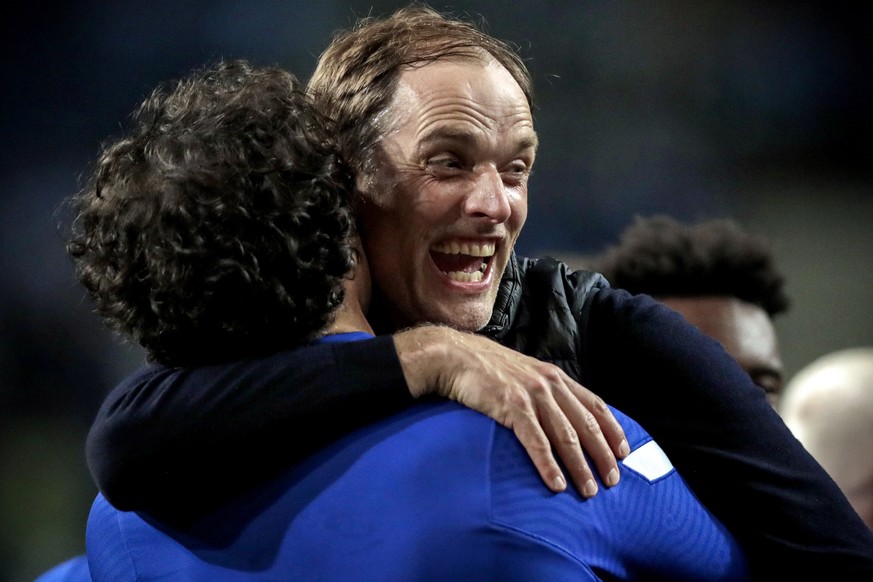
(472, 249)
(465, 277)
(483, 250)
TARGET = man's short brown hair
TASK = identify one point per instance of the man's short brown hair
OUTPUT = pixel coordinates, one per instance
(357, 74)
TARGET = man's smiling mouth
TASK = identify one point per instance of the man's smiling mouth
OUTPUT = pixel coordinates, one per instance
(465, 262)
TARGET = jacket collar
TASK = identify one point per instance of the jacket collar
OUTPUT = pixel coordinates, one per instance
(508, 296)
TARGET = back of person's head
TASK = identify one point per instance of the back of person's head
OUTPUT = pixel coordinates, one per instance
(662, 257)
(828, 406)
(357, 75)
(218, 226)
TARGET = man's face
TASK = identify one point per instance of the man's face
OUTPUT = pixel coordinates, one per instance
(744, 330)
(445, 204)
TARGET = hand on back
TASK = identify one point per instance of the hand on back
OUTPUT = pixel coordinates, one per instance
(548, 411)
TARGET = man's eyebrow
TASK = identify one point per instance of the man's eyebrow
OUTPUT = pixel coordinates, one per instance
(464, 137)
(529, 142)
(448, 134)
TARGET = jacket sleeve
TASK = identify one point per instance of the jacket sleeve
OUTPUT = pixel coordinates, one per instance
(176, 442)
(725, 439)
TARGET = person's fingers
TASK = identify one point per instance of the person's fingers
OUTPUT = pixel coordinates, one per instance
(603, 417)
(530, 434)
(553, 417)
(568, 447)
(572, 431)
(548, 420)
(587, 436)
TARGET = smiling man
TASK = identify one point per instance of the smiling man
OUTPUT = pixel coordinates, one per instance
(443, 213)
(434, 118)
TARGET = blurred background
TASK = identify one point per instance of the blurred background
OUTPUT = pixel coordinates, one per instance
(759, 111)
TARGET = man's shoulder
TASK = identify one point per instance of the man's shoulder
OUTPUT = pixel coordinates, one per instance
(541, 309)
(549, 268)
(548, 278)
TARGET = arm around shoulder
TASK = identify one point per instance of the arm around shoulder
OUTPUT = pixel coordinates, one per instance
(174, 441)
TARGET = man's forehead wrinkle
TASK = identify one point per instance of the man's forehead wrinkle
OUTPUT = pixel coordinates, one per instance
(467, 107)
(452, 113)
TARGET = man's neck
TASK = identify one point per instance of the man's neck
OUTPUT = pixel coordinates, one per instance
(379, 314)
(349, 317)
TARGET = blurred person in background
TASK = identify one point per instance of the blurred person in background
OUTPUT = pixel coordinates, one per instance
(721, 278)
(828, 405)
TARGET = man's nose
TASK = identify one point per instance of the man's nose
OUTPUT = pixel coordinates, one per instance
(488, 197)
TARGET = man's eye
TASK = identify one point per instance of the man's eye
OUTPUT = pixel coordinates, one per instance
(444, 162)
(516, 173)
(769, 383)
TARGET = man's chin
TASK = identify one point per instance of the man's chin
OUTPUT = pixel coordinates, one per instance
(463, 317)
(461, 312)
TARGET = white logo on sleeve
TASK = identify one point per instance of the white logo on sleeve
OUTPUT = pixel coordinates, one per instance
(649, 460)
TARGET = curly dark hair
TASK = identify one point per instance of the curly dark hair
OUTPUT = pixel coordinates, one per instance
(218, 228)
(662, 257)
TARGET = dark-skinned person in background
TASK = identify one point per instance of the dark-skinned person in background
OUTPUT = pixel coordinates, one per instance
(720, 277)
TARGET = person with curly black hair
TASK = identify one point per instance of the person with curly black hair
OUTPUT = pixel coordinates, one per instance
(219, 227)
(722, 278)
